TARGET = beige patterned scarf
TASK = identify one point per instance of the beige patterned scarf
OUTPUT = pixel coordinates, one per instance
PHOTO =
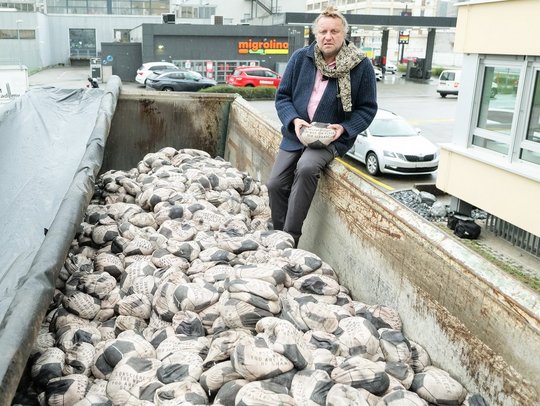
(347, 58)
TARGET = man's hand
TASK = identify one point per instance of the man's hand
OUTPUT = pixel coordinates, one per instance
(338, 128)
(298, 125)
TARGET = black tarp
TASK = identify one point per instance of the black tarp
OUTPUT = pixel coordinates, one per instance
(51, 149)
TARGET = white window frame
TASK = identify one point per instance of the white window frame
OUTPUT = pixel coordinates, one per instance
(533, 70)
(487, 61)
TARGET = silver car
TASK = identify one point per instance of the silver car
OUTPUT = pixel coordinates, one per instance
(392, 145)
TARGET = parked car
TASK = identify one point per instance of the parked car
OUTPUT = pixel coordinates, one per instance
(378, 73)
(151, 67)
(390, 67)
(392, 145)
(179, 80)
(252, 76)
(449, 82)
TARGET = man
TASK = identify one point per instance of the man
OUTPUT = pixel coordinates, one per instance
(331, 82)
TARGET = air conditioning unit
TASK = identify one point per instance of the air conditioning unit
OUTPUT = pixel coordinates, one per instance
(168, 18)
(217, 20)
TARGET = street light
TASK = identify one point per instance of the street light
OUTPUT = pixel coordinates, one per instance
(19, 42)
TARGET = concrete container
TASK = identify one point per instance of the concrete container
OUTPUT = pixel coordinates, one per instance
(476, 322)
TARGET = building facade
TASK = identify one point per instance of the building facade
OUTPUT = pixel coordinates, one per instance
(43, 33)
(369, 39)
(493, 162)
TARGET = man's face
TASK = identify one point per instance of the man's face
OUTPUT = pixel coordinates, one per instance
(330, 36)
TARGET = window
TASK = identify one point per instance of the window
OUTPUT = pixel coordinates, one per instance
(193, 75)
(82, 42)
(206, 11)
(17, 34)
(448, 75)
(186, 12)
(506, 119)
(497, 111)
(121, 35)
(530, 147)
(18, 6)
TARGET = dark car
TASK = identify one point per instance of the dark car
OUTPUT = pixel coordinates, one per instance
(178, 80)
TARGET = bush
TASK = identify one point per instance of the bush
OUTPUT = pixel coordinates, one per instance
(248, 93)
(436, 71)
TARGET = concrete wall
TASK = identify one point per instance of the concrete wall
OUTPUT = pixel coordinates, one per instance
(25, 51)
(476, 322)
(507, 27)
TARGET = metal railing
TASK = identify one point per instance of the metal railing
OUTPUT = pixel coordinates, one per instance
(513, 234)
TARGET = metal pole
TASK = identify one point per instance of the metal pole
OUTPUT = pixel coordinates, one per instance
(19, 42)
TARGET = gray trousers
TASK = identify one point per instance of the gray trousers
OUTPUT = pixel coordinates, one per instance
(292, 185)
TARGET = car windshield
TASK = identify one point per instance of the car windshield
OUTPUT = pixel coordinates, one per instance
(193, 75)
(391, 127)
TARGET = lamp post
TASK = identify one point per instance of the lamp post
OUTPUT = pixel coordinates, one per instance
(19, 42)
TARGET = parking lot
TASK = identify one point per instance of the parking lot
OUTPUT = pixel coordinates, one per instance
(418, 102)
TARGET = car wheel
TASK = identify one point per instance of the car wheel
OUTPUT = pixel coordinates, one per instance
(372, 164)
(167, 89)
(443, 95)
(493, 92)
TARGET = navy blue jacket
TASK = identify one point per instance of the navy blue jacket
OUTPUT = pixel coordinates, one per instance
(292, 98)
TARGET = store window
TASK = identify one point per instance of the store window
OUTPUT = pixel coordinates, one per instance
(498, 108)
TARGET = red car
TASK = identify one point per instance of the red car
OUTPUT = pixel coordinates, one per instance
(251, 76)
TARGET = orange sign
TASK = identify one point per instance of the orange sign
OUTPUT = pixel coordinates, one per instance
(271, 47)
(403, 37)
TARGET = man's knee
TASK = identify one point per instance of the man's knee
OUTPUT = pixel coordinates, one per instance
(307, 170)
(273, 185)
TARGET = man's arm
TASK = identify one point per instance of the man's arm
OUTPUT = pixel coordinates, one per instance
(364, 105)
(284, 99)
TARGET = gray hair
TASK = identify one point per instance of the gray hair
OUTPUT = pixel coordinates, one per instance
(331, 12)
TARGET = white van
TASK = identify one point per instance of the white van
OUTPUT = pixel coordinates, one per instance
(449, 82)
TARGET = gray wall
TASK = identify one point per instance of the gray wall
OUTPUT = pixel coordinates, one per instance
(126, 58)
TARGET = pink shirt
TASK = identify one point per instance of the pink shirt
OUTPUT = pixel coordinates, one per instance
(318, 90)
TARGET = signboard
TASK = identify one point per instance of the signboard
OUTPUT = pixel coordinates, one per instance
(269, 47)
(403, 37)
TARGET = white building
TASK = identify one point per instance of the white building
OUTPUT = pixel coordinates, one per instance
(493, 162)
(40, 33)
(369, 38)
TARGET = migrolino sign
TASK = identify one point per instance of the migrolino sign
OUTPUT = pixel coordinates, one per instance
(271, 47)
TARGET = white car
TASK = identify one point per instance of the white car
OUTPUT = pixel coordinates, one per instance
(449, 82)
(392, 145)
(390, 68)
(150, 67)
(378, 73)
